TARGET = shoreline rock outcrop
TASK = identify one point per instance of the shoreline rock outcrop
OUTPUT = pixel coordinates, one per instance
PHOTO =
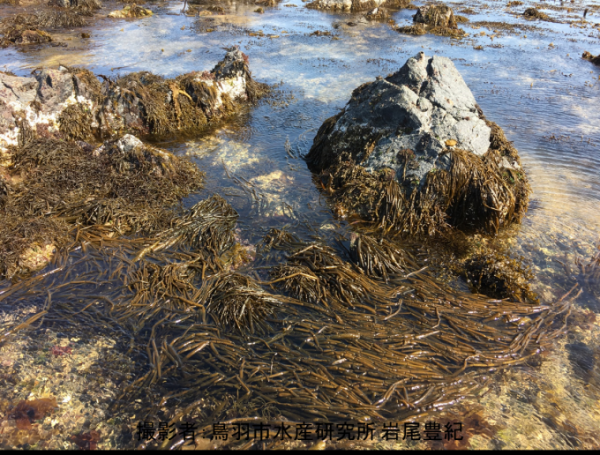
(72, 103)
(415, 153)
(356, 5)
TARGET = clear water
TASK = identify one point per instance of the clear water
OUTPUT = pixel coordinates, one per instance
(537, 88)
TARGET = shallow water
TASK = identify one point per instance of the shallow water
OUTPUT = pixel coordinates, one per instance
(533, 83)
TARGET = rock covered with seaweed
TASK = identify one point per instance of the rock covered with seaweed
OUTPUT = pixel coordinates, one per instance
(72, 103)
(591, 58)
(434, 19)
(414, 152)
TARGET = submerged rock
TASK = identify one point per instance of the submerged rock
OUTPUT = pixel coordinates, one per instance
(72, 103)
(131, 11)
(437, 19)
(414, 152)
(356, 5)
(595, 60)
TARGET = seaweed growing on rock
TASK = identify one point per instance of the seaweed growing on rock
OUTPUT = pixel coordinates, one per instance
(387, 159)
(499, 276)
(589, 57)
(142, 103)
(125, 185)
(434, 19)
(150, 104)
(534, 13)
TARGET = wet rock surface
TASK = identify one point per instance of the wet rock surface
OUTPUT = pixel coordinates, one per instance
(421, 127)
(72, 103)
(356, 5)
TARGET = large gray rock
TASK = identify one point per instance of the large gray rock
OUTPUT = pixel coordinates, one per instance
(420, 108)
(415, 152)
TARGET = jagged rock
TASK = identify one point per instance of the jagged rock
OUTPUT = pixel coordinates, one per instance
(422, 128)
(72, 103)
(595, 60)
(356, 5)
(437, 20)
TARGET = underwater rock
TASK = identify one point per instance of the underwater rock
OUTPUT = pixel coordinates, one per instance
(131, 11)
(437, 20)
(589, 57)
(415, 152)
(356, 5)
(72, 103)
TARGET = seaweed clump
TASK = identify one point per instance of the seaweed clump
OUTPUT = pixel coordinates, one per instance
(238, 302)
